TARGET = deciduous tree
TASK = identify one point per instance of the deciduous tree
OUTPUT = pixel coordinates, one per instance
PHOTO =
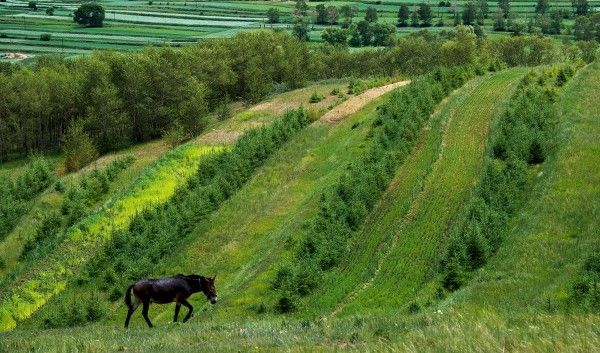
(90, 14)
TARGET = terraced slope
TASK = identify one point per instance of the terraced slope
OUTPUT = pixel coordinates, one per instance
(228, 132)
(249, 232)
(403, 239)
(396, 201)
(493, 313)
(31, 287)
(560, 225)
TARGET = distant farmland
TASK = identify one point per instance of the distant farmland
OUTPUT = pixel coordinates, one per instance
(131, 25)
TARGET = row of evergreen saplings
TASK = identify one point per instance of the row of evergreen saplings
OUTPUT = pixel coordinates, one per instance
(16, 195)
(156, 233)
(524, 136)
(344, 206)
(77, 203)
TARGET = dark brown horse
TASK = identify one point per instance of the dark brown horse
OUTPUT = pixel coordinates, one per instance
(167, 290)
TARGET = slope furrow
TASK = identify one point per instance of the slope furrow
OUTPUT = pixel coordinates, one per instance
(416, 236)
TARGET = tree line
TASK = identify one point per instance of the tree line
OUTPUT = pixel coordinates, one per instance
(110, 100)
(123, 98)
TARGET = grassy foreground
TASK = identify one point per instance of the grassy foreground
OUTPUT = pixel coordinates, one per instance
(443, 331)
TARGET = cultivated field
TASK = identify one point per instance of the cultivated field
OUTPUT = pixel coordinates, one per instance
(131, 25)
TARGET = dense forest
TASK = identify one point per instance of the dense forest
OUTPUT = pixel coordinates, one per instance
(110, 100)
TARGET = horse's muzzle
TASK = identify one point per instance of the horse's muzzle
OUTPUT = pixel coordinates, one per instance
(213, 300)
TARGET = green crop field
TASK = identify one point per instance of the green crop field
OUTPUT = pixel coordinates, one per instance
(132, 25)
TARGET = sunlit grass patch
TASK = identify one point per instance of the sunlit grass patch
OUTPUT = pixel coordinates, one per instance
(155, 185)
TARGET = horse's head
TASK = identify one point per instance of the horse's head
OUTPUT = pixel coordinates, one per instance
(208, 287)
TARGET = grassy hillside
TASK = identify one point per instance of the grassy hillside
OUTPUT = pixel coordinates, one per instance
(415, 245)
(515, 303)
(390, 258)
(237, 241)
(558, 229)
(151, 180)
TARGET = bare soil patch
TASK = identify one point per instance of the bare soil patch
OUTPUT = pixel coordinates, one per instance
(354, 104)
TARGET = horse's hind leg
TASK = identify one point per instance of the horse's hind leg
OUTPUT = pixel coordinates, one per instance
(191, 309)
(131, 310)
(145, 307)
(177, 307)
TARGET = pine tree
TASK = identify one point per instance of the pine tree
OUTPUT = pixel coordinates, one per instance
(425, 14)
(541, 7)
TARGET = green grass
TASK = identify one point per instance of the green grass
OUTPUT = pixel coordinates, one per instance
(407, 259)
(560, 225)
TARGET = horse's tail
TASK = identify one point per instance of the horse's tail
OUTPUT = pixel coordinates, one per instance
(128, 297)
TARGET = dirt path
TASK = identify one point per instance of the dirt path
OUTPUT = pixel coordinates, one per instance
(356, 103)
(225, 134)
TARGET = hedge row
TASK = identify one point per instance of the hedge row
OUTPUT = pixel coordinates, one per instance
(76, 204)
(14, 196)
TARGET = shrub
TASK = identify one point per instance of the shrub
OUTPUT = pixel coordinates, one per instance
(45, 37)
(316, 97)
(74, 310)
(175, 135)
(584, 290)
(78, 148)
(285, 305)
(59, 186)
(223, 110)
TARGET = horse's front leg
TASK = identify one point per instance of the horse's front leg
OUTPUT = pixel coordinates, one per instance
(191, 309)
(177, 307)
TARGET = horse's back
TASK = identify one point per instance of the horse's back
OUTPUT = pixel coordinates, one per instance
(162, 290)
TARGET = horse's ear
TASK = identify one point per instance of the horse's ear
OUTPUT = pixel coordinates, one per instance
(213, 278)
